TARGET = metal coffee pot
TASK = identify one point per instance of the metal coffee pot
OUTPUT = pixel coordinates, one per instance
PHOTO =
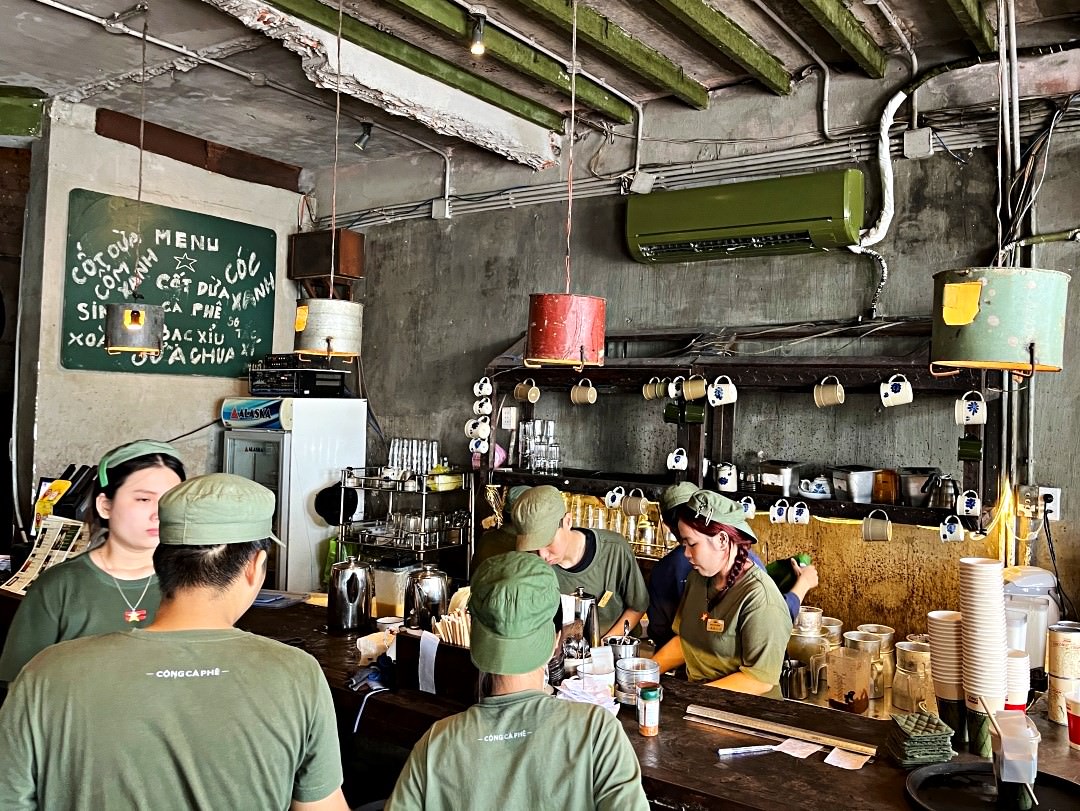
(585, 610)
(350, 595)
(427, 596)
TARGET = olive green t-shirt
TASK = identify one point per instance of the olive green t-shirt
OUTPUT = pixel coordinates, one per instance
(71, 600)
(524, 750)
(205, 719)
(612, 568)
(752, 628)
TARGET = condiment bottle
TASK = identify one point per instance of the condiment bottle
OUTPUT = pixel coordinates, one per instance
(648, 709)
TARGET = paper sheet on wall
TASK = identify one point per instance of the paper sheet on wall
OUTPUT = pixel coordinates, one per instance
(846, 760)
(58, 540)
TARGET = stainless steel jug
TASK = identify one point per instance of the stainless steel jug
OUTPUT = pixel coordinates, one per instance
(427, 596)
(351, 592)
(585, 610)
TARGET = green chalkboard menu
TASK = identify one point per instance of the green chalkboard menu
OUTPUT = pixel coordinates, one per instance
(214, 277)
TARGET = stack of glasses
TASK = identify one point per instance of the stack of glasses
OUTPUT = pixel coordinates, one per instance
(918, 739)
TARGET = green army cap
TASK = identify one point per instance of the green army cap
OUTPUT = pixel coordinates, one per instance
(133, 450)
(215, 509)
(513, 599)
(537, 515)
(675, 495)
(718, 509)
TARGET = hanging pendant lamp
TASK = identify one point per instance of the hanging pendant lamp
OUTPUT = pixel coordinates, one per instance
(134, 327)
(329, 327)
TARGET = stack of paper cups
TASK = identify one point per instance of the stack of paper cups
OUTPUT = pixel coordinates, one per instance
(982, 602)
(1017, 680)
(1063, 668)
(946, 656)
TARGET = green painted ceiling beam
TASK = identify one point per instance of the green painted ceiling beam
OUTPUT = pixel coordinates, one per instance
(452, 19)
(397, 50)
(20, 111)
(605, 36)
(848, 32)
(972, 19)
(731, 40)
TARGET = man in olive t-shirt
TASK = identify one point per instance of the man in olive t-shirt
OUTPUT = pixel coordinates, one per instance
(188, 712)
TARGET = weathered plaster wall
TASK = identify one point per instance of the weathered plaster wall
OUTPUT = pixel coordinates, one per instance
(73, 416)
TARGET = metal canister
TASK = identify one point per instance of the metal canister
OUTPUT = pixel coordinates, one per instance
(350, 595)
(1063, 650)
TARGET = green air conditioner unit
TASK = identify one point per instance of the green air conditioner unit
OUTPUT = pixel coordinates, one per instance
(797, 214)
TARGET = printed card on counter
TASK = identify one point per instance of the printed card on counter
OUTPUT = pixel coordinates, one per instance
(797, 748)
(846, 760)
(58, 540)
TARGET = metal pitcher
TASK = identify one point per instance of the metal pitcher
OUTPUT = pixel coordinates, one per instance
(427, 596)
(351, 592)
(585, 610)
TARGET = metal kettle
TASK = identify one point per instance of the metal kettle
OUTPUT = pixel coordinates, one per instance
(427, 596)
(350, 595)
(942, 491)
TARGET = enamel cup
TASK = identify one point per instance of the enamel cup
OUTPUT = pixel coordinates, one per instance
(896, 391)
(727, 478)
(829, 393)
(479, 428)
(970, 409)
(613, 498)
(799, 513)
(677, 459)
(968, 503)
(527, 391)
(695, 388)
(877, 529)
(649, 390)
(478, 445)
(778, 511)
(749, 508)
(951, 529)
(583, 393)
(482, 387)
(482, 407)
(674, 387)
(635, 503)
(722, 391)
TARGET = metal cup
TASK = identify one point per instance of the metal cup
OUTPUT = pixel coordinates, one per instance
(829, 394)
(583, 393)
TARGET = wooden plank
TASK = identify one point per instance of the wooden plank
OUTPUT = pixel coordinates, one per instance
(970, 15)
(759, 724)
(845, 28)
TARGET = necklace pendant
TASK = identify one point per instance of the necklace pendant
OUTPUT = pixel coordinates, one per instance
(704, 616)
(135, 615)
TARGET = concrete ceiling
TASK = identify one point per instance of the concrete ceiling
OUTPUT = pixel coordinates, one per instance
(260, 77)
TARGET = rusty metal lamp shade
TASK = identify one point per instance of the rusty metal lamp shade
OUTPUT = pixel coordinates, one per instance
(131, 327)
(565, 330)
(1008, 318)
(328, 327)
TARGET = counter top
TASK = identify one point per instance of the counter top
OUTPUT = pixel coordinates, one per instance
(679, 766)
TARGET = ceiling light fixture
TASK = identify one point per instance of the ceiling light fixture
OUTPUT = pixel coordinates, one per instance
(479, 17)
(364, 136)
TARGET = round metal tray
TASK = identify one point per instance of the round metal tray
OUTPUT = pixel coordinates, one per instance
(962, 786)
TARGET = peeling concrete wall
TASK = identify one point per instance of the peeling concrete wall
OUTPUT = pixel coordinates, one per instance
(74, 416)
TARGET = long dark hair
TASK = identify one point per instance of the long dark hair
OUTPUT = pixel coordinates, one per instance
(699, 523)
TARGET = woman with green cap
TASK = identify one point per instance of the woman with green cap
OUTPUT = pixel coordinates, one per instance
(733, 626)
(536, 751)
(112, 587)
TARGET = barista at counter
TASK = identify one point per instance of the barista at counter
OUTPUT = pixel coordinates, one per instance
(597, 560)
(503, 538)
(733, 626)
(668, 577)
(536, 751)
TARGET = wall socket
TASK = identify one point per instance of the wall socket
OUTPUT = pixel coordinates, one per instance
(1053, 507)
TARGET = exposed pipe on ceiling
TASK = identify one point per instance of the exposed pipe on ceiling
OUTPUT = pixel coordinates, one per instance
(114, 25)
(768, 12)
(894, 23)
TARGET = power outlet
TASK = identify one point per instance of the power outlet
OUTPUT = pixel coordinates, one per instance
(1050, 497)
(1028, 503)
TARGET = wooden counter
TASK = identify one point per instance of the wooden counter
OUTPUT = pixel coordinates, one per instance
(679, 767)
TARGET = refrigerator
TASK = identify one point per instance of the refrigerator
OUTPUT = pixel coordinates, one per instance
(295, 446)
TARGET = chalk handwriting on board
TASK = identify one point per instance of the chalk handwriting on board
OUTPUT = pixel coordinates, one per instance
(215, 279)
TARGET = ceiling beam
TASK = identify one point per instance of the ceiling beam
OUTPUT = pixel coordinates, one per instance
(970, 15)
(420, 61)
(732, 41)
(845, 28)
(605, 36)
(453, 20)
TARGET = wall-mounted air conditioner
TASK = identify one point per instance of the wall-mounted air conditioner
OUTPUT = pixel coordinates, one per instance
(796, 214)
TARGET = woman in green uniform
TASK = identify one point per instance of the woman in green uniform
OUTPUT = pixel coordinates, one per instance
(733, 625)
(112, 587)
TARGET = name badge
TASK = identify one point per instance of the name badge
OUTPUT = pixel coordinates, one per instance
(714, 626)
(604, 600)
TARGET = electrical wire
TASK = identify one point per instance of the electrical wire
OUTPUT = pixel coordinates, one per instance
(192, 431)
(1065, 604)
(573, 134)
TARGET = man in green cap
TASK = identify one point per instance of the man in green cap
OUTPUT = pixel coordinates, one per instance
(503, 538)
(597, 560)
(668, 577)
(535, 751)
(188, 712)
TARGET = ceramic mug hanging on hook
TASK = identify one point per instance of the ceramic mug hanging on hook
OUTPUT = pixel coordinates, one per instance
(877, 529)
(829, 394)
(952, 529)
(648, 391)
(674, 387)
(895, 391)
(695, 388)
(482, 387)
(749, 508)
(583, 393)
(970, 409)
(778, 511)
(799, 513)
(722, 391)
(968, 503)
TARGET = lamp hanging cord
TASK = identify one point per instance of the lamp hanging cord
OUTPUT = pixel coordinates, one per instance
(337, 130)
(142, 146)
(570, 156)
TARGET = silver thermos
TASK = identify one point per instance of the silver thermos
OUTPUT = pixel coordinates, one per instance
(427, 596)
(351, 592)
